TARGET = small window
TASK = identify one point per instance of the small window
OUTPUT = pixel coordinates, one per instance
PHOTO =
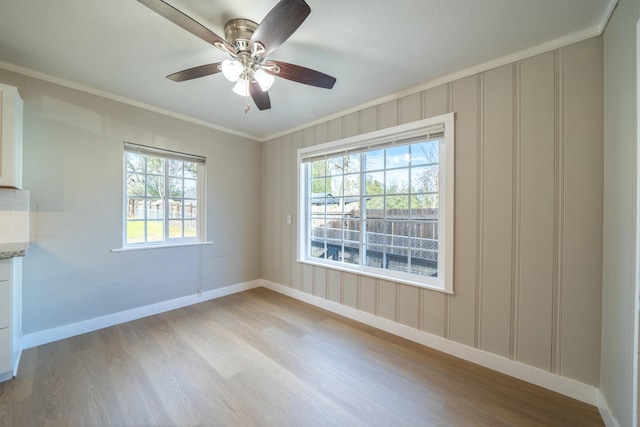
(163, 197)
(381, 204)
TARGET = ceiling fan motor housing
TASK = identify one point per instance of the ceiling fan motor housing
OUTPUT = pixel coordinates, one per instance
(238, 32)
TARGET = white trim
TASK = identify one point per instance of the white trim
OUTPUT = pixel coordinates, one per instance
(113, 97)
(566, 386)
(200, 179)
(605, 411)
(594, 31)
(66, 331)
(444, 125)
(376, 273)
(16, 322)
(607, 15)
(636, 294)
(18, 356)
(146, 150)
(563, 385)
(160, 246)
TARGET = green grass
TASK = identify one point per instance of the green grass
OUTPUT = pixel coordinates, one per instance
(155, 231)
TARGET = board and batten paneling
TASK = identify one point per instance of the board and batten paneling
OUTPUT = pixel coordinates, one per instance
(528, 219)
(581, 155)
(496, 211)
(462, 325)
(535, 203)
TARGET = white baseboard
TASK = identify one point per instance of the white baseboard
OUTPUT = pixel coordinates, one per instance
(605, 411)
(16, 363)
(90, 325)
(563, 385)
(566, 386)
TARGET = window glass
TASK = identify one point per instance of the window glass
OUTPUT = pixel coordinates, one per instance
(379, 210)
(401, 208)
(162, 195)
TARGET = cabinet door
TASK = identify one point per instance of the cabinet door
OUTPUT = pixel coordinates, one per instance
(11, 107)
(5, 269)
(5, 304)
(5, 351)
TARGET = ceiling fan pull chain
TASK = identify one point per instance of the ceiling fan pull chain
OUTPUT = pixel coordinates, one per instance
(247, 107)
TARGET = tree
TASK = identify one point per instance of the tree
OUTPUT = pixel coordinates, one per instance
(318, 173)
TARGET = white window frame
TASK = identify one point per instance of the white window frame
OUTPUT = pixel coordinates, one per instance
(410, 131)
(200, 197)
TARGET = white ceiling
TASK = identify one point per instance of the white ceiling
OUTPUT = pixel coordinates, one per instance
(375, 48)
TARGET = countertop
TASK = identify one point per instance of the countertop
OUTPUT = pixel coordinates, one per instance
(10, 250)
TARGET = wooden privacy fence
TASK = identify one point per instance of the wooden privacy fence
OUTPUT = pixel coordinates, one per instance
(135, 208)
(423, 223)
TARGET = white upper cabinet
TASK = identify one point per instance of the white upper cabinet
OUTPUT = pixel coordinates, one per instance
(10, 137)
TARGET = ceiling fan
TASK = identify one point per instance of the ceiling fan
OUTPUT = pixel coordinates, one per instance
(248, 44)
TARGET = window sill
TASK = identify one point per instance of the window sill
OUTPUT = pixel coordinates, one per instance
(376, 275)
(162, 246)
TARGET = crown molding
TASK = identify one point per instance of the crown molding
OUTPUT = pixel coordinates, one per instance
(118, 98)
(594, 31)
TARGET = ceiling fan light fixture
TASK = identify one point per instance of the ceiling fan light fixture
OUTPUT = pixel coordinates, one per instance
(248, 44)
(232, 69)
(264, 79)
(242, 87)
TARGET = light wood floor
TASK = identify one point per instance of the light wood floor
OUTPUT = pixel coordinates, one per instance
(261, 359)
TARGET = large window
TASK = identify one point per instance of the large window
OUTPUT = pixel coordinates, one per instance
(163, 197)
(381, 204)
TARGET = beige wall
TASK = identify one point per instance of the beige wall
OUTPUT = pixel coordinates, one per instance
(528, 219)
(73, 151)
(620, 296)
(529, 178)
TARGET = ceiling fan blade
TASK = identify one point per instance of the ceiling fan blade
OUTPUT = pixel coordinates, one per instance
(195, 72)
(282, 21)
(187, 23)
(259, 97)
(302, 75)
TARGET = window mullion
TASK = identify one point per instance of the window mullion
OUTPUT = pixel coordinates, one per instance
(310, 207)
(165, 200)
(324, 215)
(409, 215)
(384, 212)
(182, 203)
(145, 206)
(307, 210)
(342, 212)
(363, 211)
